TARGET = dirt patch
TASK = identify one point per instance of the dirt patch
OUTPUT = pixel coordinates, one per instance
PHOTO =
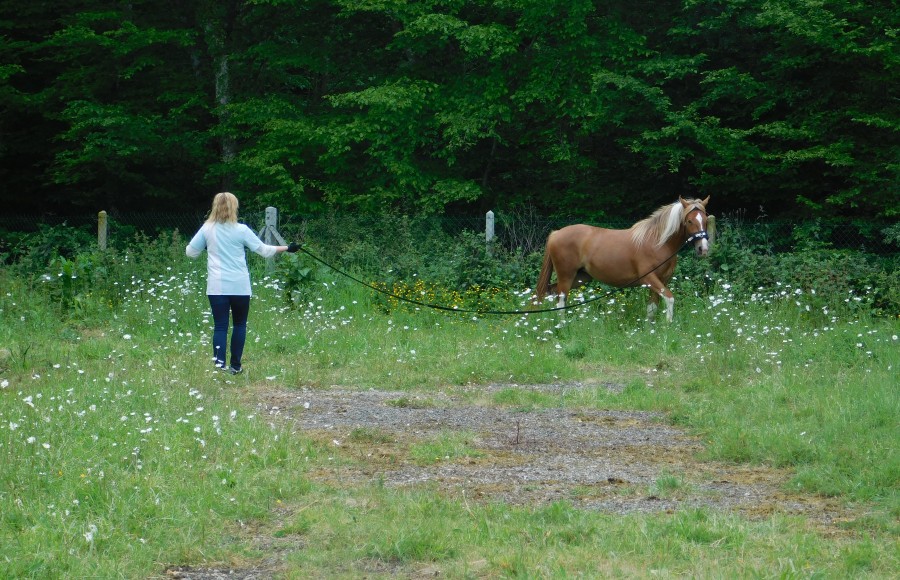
(611, 461)
(617, 462)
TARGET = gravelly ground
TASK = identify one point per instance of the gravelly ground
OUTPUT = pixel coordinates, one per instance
(614, 461)
(609, 461)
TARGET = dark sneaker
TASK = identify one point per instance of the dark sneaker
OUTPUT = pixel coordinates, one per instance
(235, 371)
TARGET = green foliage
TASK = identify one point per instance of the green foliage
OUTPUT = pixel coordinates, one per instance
(744, 256)
(80, 279)
(114, 104)
(423, 259)
(892, 234)
(73, 278)
(776, 111)
(572, 107)
(297, 275)
(35, 250)
(471, 261)
(883, 287)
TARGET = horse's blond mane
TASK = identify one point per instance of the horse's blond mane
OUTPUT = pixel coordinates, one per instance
(660, 225)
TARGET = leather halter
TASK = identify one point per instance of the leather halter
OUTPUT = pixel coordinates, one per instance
(701, 235)
(698, 236)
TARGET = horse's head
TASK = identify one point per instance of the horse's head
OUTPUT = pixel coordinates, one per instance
(694, 219)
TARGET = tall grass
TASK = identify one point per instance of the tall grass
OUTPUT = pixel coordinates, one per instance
(122, 452)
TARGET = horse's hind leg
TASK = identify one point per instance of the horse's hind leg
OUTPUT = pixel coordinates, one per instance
(563, 287)
(562, 293)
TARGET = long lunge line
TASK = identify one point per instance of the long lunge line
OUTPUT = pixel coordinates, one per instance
(533, 310)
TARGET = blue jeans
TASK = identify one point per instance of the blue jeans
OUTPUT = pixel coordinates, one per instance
(239, 308)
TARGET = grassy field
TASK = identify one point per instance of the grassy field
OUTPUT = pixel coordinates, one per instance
(122, 453)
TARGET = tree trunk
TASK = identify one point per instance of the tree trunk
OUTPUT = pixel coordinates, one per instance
(216, 20)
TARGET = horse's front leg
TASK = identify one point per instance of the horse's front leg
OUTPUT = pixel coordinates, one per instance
(670, 304)
(658, 290)
(652, 305)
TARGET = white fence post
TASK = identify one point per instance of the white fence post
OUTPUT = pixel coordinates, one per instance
(711, 229)
(270, 236)
(101, 230)
(489, 230)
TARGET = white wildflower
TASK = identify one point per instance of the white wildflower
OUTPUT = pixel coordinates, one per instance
(89, 535)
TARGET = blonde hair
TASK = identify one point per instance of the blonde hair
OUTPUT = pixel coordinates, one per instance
(224, 209)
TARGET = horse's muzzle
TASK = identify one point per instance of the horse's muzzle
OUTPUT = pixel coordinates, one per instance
(702, 247)
(701, 242)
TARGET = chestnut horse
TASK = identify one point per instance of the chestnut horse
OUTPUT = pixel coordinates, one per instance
(643, 255)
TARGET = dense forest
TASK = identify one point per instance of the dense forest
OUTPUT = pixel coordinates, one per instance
(562, 106)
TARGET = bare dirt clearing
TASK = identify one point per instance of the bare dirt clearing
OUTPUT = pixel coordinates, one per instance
(611, 461)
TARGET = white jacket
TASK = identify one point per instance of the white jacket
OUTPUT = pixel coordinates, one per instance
(226, 265)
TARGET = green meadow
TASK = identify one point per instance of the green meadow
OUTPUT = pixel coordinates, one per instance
(124, 454)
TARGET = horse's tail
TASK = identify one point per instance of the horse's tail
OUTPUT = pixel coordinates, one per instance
(543, 281)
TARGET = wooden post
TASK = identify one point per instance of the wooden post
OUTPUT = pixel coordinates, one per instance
(489, 230)
(711, 229)
(101, 230)
(270, 236)
(271, 224)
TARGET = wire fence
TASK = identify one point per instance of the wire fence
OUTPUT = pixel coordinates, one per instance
(522, 231)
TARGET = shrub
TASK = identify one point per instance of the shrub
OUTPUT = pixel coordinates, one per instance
(838, 278)
(884, 290)
(34, 252)
(297, 274)
(400, 249)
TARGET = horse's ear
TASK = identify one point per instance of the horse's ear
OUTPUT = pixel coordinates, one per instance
(684, 203)
(705, 201)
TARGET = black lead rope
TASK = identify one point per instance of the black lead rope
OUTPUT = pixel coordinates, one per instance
(696, 236)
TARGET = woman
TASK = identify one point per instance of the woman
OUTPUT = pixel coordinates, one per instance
(228, 280)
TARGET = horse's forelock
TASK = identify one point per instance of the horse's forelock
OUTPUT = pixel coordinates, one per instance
(692, 204)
